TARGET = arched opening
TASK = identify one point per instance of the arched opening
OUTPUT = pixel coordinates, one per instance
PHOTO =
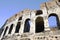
(39, 25)
(53, 21)
(39, 12)
(20, 18)
(58, 0)
(1, 31)
(5, 31)
(18, 27)
(10, 30)
(27, 25)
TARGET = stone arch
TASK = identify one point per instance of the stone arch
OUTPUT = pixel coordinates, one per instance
(5, 31)
(39, 12)
(57, 18)
(11, 27)
(27, 25)
(39, 24)
(17, 27)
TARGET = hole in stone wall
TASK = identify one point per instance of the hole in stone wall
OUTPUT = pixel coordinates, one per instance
(56, 37)
(20, 18)
(27, 25)
(53, 21)
(39, 12)
(18, 27)
(10, 30)
(1, 31)
(5, 31)
(59, 0)
(39, 25)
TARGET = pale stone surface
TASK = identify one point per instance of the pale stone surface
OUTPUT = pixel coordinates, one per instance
(47, 8)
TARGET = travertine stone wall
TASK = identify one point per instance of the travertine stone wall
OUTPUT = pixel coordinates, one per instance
(51, 7)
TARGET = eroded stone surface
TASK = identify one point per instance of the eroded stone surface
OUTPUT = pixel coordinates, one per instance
(47, 8)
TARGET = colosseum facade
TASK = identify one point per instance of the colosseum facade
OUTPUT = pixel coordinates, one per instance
(33, 24)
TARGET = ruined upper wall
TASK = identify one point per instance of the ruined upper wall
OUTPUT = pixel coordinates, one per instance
(50, 4)
(54, 0)
(17, 15)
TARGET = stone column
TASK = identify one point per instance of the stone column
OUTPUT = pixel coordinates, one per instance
(45, 17)
(46, 24)
(32, 27)
(21, 27)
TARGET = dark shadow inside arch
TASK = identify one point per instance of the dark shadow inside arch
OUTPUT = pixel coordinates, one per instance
(27, 25)
(39, 12)
(57, 19)
(10, 30)
(58, 0)
(5, 31)
(39, 25)
(1, 31)
(17, 27)
(20, 18)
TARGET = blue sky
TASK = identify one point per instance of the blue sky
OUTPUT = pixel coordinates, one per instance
(10, 7)
(52, 21)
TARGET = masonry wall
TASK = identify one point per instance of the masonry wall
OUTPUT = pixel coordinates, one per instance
(46, 10)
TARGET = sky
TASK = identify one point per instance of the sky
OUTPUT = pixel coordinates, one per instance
(52, 21)
(10, 7)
